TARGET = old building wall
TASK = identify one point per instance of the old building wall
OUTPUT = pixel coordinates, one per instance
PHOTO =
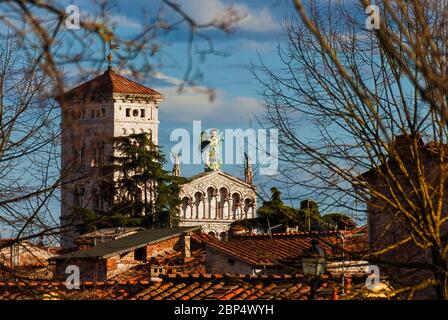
(24, 254)
(218, 262)
(160, 247)
(387, 228)
(89, 269)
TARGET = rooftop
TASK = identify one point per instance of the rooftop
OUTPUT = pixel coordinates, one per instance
(109, 232)
(265, 250)
(131, 242)
(106, 84)
(177, 287)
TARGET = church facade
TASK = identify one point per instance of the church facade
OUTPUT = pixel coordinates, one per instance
(215, 199)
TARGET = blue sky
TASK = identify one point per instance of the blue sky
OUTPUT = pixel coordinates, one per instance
(236, 102)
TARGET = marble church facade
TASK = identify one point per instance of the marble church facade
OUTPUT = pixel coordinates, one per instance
(214, 200)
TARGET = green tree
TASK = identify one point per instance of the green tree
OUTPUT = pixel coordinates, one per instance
(309, 215)
(276, 211)
(336, 221)
(145, 194)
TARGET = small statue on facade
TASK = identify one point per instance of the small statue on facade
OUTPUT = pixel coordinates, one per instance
(211, 144)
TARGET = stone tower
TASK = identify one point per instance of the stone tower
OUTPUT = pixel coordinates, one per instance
(93, 113)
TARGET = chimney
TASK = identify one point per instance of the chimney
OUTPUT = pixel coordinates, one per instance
(348, 285)
(186, 248)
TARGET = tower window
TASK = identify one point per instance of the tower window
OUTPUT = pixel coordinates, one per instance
(81, 156)
(128, 112)
(78, 196)
(142, 113)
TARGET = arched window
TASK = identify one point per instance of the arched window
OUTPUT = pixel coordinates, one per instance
(222, 201)
(212, 233)
(223, 236)
(248, 204)
(78, 196)
(197, 203)
(185, 206)
(235, 205)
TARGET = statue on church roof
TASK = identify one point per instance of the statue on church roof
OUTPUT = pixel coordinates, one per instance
(248, 172)
(211, 144)
(176, 166)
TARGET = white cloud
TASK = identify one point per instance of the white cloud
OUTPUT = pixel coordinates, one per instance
(194, 104)
(122, 21)
(261, 21)
(251, 20)
(167, 79)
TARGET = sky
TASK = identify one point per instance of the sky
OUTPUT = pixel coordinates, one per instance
(236, 102)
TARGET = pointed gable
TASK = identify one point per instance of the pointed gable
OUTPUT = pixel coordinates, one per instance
(107, 84)
(206, 175)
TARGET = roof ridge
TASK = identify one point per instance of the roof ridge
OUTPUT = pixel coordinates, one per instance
(133, 81)
(290, 233)
(108, 83)
(168, 277)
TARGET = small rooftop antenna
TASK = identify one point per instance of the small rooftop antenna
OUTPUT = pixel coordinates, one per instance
(109, 56)
(270, 228)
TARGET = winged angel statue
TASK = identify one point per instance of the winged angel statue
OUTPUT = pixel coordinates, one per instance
(212, 146)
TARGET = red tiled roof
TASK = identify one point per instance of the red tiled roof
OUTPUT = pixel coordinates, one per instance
(272, 249)
(177, 287)
(201, 237)
(174, 263)
(105, 85)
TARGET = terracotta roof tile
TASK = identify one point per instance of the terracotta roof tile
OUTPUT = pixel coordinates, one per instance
(105, 85)
(265, 250)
